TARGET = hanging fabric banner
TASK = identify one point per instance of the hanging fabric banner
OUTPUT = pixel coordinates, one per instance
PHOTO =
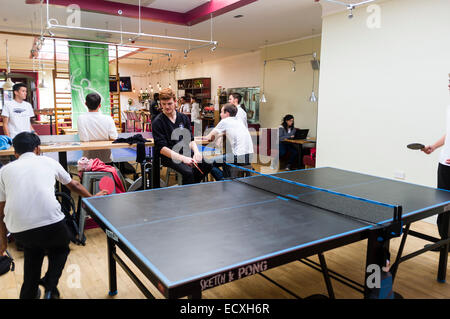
(89, 73)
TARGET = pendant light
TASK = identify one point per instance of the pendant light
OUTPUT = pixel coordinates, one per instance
(263, 97)
(9, 83)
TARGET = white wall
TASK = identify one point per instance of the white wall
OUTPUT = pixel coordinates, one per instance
(286, 91)
(383, 88)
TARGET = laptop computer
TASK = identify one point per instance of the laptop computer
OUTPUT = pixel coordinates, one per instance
(301, 134)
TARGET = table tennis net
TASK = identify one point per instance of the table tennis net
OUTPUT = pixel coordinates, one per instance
(364, 210)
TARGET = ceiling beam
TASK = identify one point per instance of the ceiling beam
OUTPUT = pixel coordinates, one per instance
(192, 17)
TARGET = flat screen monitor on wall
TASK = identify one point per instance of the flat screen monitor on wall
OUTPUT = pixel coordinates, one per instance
(125, 85)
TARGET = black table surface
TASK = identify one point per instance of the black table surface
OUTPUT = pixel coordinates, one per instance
(189, 232)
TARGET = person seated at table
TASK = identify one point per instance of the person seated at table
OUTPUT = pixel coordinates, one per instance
(175, 143)
(287, 131)
(30, 211)
(238, 136)
(95, 126)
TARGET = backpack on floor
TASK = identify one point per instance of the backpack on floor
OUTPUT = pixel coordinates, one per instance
(6, 264)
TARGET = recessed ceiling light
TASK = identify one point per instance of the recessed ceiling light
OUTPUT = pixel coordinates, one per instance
(238, 16)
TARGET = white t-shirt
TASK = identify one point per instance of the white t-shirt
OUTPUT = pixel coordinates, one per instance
(445, 152)
(19, 116)
(238, 135)
(195, 112)
(242, 115)
(185, 108)
(27, 185)
(95, 126)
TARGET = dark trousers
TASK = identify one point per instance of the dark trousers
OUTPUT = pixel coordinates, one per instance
(288, 147)
(443, 183)
(190, 174)
(220, 161)
(53, 240)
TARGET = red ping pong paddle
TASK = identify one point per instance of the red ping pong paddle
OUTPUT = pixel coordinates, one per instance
(106, 184)
(196, 166)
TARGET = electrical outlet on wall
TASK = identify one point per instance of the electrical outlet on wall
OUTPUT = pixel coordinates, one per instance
(399, 174)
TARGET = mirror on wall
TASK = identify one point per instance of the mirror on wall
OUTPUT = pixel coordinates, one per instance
(250, 99)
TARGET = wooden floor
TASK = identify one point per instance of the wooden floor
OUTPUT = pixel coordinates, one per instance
(86, 276)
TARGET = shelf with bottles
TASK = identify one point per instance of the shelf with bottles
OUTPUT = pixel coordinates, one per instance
(194, 84)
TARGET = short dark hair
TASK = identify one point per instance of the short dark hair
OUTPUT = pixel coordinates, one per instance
(237, 96)
(156, 96)
(16, 87)
(25, 142)
(230, 108)
(93, 101)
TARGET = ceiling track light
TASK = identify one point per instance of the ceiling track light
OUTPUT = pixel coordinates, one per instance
(350, 7)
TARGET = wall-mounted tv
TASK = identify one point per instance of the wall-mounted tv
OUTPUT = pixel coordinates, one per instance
(125, 84)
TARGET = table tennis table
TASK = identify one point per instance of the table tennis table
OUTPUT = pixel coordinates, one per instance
(187, 239)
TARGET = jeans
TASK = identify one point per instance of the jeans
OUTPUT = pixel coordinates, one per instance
(288, 147)
(220, 161)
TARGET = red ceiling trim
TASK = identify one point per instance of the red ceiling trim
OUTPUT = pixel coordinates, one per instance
(192, 17)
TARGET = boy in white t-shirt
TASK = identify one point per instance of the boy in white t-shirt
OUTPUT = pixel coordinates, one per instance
(31, 212)
(239, 138)
(235, 99)
(95, 126)
(17, 113)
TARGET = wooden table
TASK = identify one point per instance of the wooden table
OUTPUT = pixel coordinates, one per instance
(300, 144)
(66, 143)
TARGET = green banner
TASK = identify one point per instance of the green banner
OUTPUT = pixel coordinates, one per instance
(89, 72)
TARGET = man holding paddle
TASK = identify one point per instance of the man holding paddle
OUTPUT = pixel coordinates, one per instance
(443, 173)
(173, 139)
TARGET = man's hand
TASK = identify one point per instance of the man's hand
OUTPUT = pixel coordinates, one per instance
(198, 157)
(101, 193)
(188, 160)
(428, 149)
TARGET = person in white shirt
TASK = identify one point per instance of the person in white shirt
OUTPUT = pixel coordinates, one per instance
(95, 126)
(235, 99)
(31, 212)
(17, 113)
(195, 111)
(185, 105)
(239, 138)
(443, 172)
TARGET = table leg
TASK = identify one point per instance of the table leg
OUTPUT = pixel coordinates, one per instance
(51, 124)
(443, 257)
(196, 295)
(155, 173)
(378, 283)
(112, 272)
(63, 161)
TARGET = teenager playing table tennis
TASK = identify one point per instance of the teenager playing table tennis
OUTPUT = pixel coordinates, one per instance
(174, 141)
(31, 212)
(239, 138)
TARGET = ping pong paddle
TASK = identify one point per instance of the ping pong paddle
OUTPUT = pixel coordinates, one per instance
(415, 146)
(106, 184)
(196, 166)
